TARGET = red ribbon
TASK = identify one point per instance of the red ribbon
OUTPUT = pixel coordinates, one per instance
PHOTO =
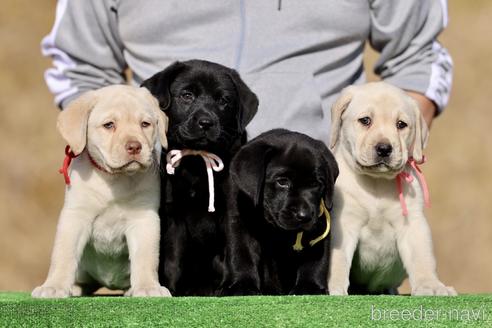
(405, 176)
(66, 164)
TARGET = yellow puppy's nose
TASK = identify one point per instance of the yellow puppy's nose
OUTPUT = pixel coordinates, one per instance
(133, 147)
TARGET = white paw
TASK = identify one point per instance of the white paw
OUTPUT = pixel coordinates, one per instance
(51, 292)
(337, 291)
(436, 288)
(156, 291)
(76, 291)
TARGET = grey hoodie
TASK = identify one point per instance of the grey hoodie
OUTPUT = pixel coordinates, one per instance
(296, 55)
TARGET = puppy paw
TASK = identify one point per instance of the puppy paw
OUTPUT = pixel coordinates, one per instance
(240, 292)
(239, 289)
(51, 292)
(308, 289)
(156, 291)
(338, 291)
(436, 288)
(76, 290)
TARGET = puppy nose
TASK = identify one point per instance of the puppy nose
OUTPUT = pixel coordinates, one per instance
(383, 149)
(303, 215)
(205, 123)
(133, 147)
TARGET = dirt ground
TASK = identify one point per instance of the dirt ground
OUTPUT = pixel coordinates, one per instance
(458, 171)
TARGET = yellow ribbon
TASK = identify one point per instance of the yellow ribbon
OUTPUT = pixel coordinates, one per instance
(324, 211)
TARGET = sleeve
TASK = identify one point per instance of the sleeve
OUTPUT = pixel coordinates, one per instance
(85, 49)
(405, 33)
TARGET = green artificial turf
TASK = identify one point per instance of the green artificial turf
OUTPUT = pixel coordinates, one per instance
(20, 310)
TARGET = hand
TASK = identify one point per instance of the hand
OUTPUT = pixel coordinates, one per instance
(427, 106)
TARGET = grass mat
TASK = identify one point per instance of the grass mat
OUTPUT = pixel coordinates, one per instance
(20, 310)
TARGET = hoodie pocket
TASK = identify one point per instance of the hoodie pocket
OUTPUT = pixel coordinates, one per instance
(288, 100)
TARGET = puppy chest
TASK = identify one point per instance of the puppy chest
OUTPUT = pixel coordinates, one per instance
(109, 270)
(108, 231)
(377, 244)
(190, 183)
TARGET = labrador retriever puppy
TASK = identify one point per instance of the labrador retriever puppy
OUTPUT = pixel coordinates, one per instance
(209, 107)
(277, 223)
(108, 231)
(378, 135)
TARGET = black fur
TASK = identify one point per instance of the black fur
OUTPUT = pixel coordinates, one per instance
(208, 106)
(275, 189)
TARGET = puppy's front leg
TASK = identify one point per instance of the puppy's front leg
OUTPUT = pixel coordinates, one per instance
(345, 235)
(242, 253)
(143, 245)
(415, 247)
(174, 249)
(72, 233)
(311, 275)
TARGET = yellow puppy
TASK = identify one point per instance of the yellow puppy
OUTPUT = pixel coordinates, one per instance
(108, 230)
(378, 239)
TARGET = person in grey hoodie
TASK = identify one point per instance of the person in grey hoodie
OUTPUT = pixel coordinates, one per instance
(295, 55)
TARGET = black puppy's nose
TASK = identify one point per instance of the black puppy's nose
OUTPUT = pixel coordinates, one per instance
(205, 123)
(383, 149)
(303, 215)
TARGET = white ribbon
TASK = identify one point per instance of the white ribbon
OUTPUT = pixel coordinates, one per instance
(212, 162)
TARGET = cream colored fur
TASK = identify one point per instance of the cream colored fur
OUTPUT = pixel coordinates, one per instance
(108, 230)
(372, 242)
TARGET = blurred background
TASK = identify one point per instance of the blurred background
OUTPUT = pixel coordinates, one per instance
(458, 170)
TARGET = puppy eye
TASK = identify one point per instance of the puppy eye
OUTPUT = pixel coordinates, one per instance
(401, 125)
(187, 96)
(223, 101)
(283, 183)
(145, 124)
(109, 125)
(366, 121)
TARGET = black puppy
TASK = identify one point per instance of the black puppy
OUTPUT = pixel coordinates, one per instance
(208, 106)
(278, 183)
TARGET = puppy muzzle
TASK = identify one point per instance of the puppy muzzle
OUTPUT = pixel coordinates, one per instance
(387, 165)
(197, 134)
(131, 158)
(302, 218)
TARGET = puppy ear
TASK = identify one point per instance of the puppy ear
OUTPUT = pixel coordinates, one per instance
(247, 169)
(160, 82)
(162, 125)
(72, 121)
(331, 173)
(248, 101)
(421, 134)
(337, 110)
(162, 120)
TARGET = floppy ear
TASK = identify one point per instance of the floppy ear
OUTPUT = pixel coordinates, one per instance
(160, 82)
(162, 119)
(337, 110)
(247, 169)
(421, 134)
(331, 172)
(162, 125)
(248, 101)
(72, 121)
